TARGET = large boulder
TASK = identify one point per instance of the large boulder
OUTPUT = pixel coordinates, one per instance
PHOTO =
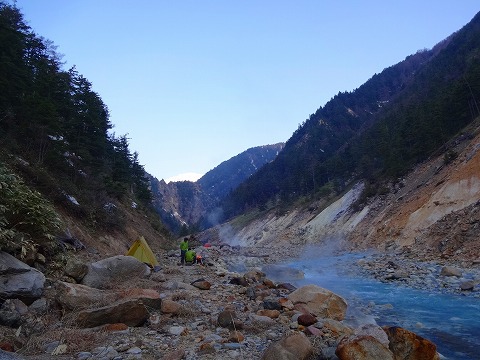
(77, 296)
(149, 297)
(131, 312)
(254, 275)
(362, 347)
(18, 280)
(321, 302)
(293, 347)
(407, 345)
(108, 273)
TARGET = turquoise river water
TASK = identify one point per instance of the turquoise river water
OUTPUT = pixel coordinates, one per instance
(451, 321)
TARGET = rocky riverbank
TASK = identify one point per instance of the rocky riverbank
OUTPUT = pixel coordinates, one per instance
(433, 276)
(188, 312)
(405, 268)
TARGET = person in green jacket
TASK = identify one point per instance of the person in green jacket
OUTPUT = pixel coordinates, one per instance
(183, 249)
(190, 257)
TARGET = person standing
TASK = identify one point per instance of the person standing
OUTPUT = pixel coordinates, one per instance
(183, 250)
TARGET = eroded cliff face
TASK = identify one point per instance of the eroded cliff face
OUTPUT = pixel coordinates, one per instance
(434, 212)
(178, 203)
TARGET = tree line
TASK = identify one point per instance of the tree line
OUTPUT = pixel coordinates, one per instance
(56, 132)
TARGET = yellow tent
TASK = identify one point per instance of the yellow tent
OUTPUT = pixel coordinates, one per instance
(142, 252)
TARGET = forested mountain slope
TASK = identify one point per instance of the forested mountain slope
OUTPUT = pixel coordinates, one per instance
(377, 132)
(60, 166)
(430, 214)
(225, 177)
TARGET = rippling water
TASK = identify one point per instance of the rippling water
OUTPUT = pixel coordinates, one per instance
(452, 322)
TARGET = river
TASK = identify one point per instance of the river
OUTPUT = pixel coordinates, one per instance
(451, 321)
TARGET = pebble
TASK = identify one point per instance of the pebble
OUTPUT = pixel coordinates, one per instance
(134, 350)
(176, 330)
(84, 355)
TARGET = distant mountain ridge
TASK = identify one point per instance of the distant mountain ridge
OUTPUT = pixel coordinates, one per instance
(186, 205)
(229, 174)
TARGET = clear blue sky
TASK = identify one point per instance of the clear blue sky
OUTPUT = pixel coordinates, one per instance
(196, 82)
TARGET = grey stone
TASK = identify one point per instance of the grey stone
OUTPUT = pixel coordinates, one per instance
(450, 271)
(134, 350)
(467, 285)
(76, 269)
(176, 330)
(5, 355)
(84, 355)
(114, 270)
(105, 351)
(18, 280)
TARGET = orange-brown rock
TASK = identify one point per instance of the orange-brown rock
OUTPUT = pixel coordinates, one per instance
(272, 314)
(6, 346)
(130, 312)
(285, 303)
(362, 348)
(306, 319)
(407, 345)
(202, 284)
(236, 337)
(269, 284)
(321, 302)
(115, 327)
(150, 298)
(170, 307)
(296, 347)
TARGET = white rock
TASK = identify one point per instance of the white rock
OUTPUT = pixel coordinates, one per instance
(176, 330)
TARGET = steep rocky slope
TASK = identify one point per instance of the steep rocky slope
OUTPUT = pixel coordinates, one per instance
(433, 211)
(183, 204)
(111, 242)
